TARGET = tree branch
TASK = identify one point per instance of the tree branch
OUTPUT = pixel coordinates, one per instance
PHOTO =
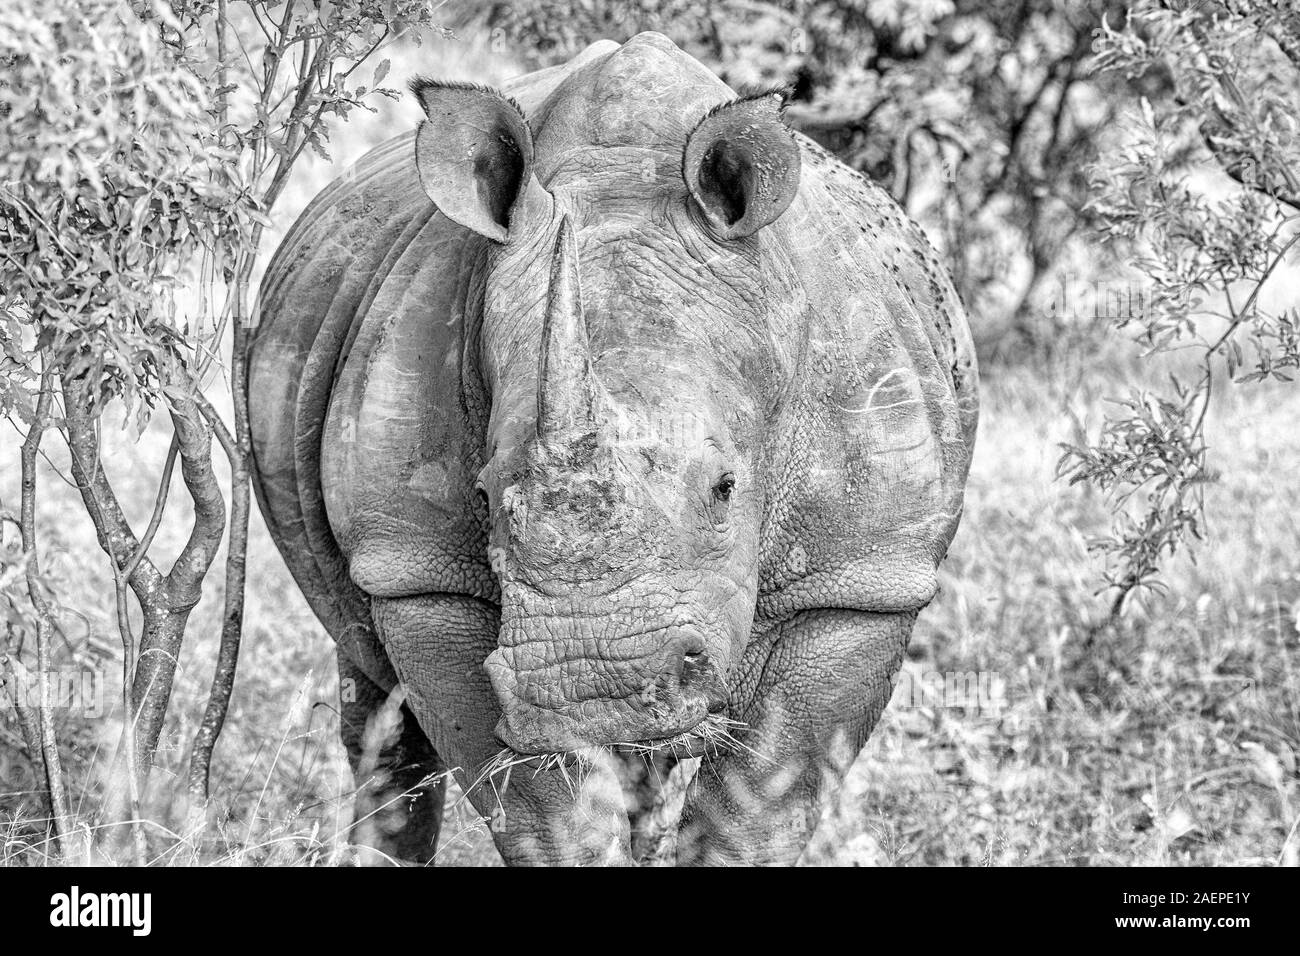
(112, 529)
(44, 618)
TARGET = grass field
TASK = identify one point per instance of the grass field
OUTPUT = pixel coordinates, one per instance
(1170, 738)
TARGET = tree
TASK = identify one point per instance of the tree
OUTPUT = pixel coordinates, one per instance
(1225, 78)
(142, 148)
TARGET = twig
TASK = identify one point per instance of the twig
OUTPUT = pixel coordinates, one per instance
(44, 618)
(237, 449)
(159, 505)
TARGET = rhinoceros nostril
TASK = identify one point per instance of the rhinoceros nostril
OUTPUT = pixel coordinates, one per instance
(693, 663)
(692, 645)
(681, 651)
(699, 674)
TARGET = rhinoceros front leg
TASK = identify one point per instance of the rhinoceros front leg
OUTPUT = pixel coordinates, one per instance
(809, 685)
(437, 644)
(400, 783)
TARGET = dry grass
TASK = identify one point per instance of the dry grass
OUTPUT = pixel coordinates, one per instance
(713, 735)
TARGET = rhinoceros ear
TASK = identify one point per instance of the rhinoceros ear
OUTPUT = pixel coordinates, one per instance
(474, 154)
(741, 165)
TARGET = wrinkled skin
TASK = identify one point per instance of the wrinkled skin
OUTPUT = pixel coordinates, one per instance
(595, 420)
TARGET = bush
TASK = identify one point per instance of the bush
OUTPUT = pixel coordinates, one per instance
(144, 146)
(1227, 77)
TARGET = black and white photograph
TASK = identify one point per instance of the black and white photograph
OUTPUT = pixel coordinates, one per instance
(650, 433)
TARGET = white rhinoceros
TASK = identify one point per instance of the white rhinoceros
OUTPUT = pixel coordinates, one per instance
(606, 418)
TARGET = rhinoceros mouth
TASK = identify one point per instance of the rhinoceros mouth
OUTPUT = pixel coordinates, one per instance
(714, 735)
(558, 695)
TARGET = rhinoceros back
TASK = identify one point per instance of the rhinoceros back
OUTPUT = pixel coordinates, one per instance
(313, 298)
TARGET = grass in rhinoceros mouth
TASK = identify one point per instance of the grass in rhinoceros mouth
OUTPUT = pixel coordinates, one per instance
(571, 765)
(712, 735)
(715, 734)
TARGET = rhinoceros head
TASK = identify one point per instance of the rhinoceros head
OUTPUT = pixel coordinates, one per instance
(636, 346)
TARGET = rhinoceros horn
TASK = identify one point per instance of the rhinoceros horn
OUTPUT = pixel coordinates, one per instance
(566, 384)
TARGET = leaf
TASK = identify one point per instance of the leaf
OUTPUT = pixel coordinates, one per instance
(381, 71)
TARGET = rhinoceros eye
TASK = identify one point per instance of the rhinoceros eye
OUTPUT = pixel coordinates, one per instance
(722, 490)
